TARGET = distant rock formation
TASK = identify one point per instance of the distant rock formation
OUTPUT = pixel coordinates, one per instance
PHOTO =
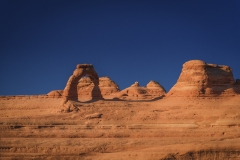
(55, 94)
(201, 79)
(86, 89)
(70, 92)
(106, 86)
(109, 90)
(155, 89)
(135, 91)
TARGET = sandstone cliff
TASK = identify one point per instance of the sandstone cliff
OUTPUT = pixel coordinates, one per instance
(201, 79)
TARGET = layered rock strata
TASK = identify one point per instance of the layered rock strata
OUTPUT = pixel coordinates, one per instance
(55, 94)
(155, 89)
(135, 91)
(106, 86)
(201, 79)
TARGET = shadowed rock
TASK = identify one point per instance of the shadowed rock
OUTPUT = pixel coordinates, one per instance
(94, 115)
(86, 87)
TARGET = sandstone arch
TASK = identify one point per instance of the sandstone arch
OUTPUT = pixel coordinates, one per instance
(70, 91)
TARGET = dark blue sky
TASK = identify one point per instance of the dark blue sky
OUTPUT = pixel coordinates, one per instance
(41, 41)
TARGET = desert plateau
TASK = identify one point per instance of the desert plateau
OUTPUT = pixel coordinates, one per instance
(91, 118)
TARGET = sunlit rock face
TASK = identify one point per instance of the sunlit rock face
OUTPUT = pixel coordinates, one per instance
(55, 94)
(201, 79)
(86, 87)
(70, 92)
(135, 91)
(107, 86)
(155, 89)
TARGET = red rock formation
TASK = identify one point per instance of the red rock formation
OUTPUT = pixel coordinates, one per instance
(155, 89)
(201, 79)
(55, 94)
(70, 92)
(106, 86)
(135, 91)
(85, 87)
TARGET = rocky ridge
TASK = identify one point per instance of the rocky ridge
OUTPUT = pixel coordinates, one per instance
(135, 91)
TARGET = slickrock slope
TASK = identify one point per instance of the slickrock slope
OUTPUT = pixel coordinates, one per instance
(137, 92)
(200, 128)
(201, 79)
(106, 86)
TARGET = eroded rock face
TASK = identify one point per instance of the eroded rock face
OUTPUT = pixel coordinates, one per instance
(55, 94)
(106, 86)
(155, 89)
(71, 92)
(135, 91)
(201, 79)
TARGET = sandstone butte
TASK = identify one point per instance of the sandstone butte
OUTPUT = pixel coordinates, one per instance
(199, 118)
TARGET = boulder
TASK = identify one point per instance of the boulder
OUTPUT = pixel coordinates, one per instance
(94, 115)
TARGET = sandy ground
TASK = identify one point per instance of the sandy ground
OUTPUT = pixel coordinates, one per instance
(168, 128)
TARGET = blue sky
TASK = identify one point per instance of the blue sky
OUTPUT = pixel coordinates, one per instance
(41, 41)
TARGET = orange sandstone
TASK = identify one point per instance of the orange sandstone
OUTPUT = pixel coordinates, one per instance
(201, 79)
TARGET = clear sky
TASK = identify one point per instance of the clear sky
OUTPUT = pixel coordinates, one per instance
(41, 41)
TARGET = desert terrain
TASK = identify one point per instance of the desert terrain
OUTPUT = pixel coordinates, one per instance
(199, 118)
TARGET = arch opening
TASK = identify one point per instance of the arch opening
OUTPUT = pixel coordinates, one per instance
(70, 92)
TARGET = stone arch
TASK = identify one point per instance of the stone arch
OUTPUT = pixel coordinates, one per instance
(70, 91)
